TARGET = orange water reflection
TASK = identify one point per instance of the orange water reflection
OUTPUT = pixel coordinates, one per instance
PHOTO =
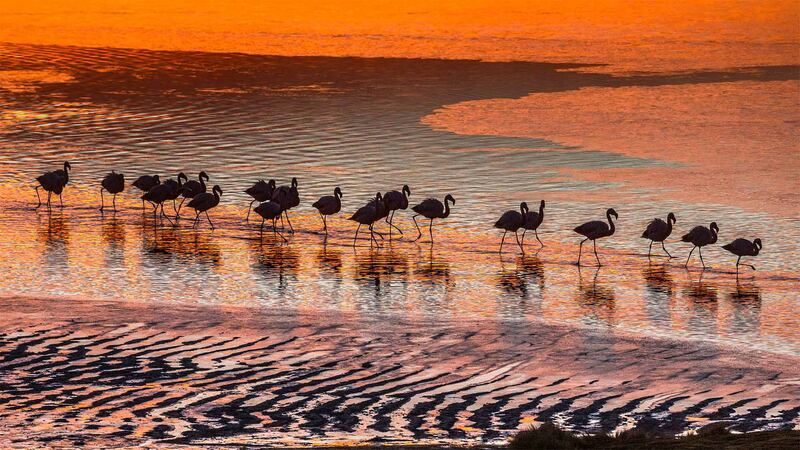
(654, 35)
(79, 252)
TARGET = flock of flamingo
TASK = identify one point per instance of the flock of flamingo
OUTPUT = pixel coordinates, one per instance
(274, 202)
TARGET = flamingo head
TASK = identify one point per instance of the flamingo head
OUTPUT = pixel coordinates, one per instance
(541, 205)
(407, 190)
(671, 218)
(217, 189)
(337, 192)
(611, 212)
(523, 207)
(294, 182)
(714, 227)
(182, 176)
(156, 179)
(203, 175)
(449, 197)
(67, 166)
(757, 243)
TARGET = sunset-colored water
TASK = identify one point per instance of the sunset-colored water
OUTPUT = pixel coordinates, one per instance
(686, 107)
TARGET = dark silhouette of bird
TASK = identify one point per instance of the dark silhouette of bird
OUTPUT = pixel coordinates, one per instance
(176, 188)
(260, 191)
(512, 221)
(146, 182)
(270, 210)
(659, 231)
(699, 237)
(532, 222)
(594, 230)
(113, 183)
(158, 194)
(192, 188)
(288, 197)
(368, 215)
(432, 209)
(395, 200)
(329, 205)
(742, 247)
(53, 183)
(204, 201)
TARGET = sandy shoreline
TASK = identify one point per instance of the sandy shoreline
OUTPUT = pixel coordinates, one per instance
(104, 371)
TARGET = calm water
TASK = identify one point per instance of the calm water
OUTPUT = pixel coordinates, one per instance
(358, 123)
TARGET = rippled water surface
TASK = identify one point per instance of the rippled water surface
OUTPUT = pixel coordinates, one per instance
(358, 124)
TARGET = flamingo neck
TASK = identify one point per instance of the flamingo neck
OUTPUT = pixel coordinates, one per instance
(446, 209)
(541, 214)
(611, 227)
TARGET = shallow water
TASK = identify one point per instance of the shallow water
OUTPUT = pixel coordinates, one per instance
(356, 123)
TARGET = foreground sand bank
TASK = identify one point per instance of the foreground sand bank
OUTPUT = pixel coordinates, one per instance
(124, 373)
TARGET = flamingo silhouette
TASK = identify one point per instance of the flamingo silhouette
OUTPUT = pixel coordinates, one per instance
(114, 183)
(329, 205)
(432, 209)
(204, 201)
(699, 237)
(594, 230)
(157, 195)
(270, 210)
(368, 215)
(742, 247)
(53, 183)
(288, 197)
(395, 200)
(659, 231)
(146, 182)
(512, 221)
(191, 189)
(176, 189)
(260, 191)
(532, 222)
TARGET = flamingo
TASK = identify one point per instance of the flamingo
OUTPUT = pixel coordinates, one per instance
(432, 209)
(114, 183)
(594, 230)
(395, 200)
(512, 221)
(192, 188)
(270, 210)
(158, 194)
(329, 205)
(146, 182)
(532, 222)
(176, 189)
(204, 201)
(368, 215)
(288, 197)
(659, 231)
(699, 237)
(260, 191)
(742, 247)
(53, 183)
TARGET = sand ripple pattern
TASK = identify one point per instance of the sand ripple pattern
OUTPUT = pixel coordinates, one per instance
(204, 376)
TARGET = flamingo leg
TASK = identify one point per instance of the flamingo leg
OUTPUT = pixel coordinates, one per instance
(580, 251)
(665, 250)
(175, 208)
(392, 225)
(523, 237)
(249, 207)
(372, 236)
(354, 239)
(163, 214)
(196, 219)
(748, 265)
(261, 232)
(275, 230)
(325, 224)
(502, 241)
(536, 233)
(209, 220)
(519, 243)
(690, 256)
(414, 218)
(178, 214)
(595, 253)
(649, 249)
(102, 201)
(430, 228)
(700, 252)
(61, 200)
(39, 199)
(114, 202)
(291, 228)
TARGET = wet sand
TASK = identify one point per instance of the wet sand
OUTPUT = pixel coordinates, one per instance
(119, 373)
